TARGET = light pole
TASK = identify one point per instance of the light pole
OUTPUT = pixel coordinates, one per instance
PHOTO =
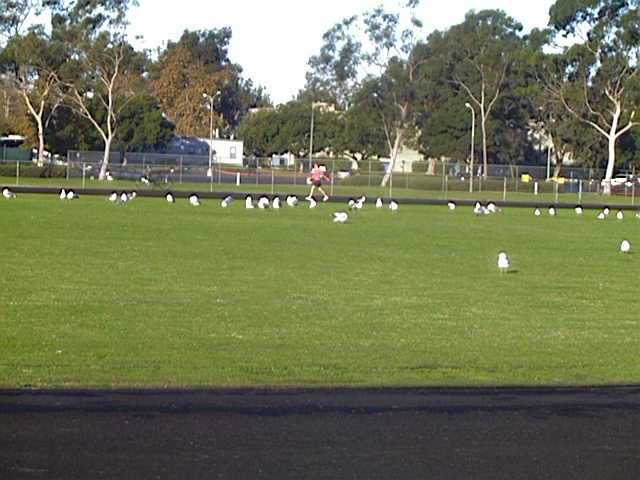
(210, 98)
(313, 106)
(473, 141)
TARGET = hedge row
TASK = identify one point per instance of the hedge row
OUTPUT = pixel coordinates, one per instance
(48, 171)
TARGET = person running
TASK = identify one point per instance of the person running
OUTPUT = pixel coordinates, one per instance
(318, 172)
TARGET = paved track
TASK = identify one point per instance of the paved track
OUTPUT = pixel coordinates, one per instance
(425, 433)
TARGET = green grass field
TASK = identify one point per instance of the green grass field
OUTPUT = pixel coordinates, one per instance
(154, 294)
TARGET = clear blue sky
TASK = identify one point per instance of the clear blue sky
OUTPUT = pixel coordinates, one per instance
(273, 40)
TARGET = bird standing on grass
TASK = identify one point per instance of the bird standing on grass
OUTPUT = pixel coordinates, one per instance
(379, 202)
(503, 262)
(194, 200)
(7, 193)
(537, 212)
(552, 211)
(248, 201)
(169, 197)
(393, 205)
(113, 196)
(292, 200)
(451, 205)
(625, 246)
(276, 203)
(312, 202)
(620, 215)
(578, 210)
(226, 201)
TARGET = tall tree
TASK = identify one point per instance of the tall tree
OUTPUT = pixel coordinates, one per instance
(194, 66)
(101, 66)
(480, 53)
(390, 49)
(596, 79)
(34, 62)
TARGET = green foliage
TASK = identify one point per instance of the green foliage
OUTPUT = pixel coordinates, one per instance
(30, 170)
(152, 294)
(142, 125)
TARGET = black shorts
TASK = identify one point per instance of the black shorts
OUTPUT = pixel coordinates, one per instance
(316, 183)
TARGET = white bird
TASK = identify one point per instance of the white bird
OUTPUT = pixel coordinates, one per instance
(6, 193)
(169, 197)
(124, 198)
(292, 200)
(263, 202)
(451, 205)
(312, 202)
(248, 202)
(276, 203)
(537, 212)
(578, 210)
(351, 203)
(379, 202)
(340, 217)
(625, 246)
(194, 200)
(552, 211)
(601, 216)
(71, 195)
(113, 196)
(606, 210)
(492, 208)
(226, 201)
(503, 262)
(478, 208)
(109, 176)
(393, 205)
(63, 194)
(619, 215)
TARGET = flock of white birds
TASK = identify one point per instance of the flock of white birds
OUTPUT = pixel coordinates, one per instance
(263, 202)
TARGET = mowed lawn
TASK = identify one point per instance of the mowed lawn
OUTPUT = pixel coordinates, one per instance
(156, 294)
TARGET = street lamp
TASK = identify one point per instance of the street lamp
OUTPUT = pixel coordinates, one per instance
(313, 106)
(210, 98)
(473, 138)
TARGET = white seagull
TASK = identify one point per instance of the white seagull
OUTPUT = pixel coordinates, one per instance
(492, 207)
(113, 196)
(552, 211)
(292, 200)
(124, 198)
(503, 262)
(379, 202)
(226, 201)
(340, 217)
(393, 205)
(578, 210)
(263, 202)
(71, 195)
(312, 202)
(625, 246)
(478, 209)
(63, 194)
(537, 212)
(601, 216)
(169, 197)
(194, 200)
(276, 203)
(248, 201)
(6, 193)
(451, 205)
(619, 215)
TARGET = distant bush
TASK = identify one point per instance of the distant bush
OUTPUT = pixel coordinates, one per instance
(29, 170)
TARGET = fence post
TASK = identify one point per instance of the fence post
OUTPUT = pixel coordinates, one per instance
(84, 172)
(180, 176)
(17, 172)
(273, 177)
(504, 189)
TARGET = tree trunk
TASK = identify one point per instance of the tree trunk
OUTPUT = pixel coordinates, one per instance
(611, 140)
(404, 110)
(105, 159)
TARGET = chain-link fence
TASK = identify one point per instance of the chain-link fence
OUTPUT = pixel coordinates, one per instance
(276, 175)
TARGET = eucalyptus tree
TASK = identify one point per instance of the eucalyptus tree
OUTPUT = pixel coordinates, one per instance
(32, 61)
(479, 55)
(387, 51)
(596, 78)
(102, 72)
